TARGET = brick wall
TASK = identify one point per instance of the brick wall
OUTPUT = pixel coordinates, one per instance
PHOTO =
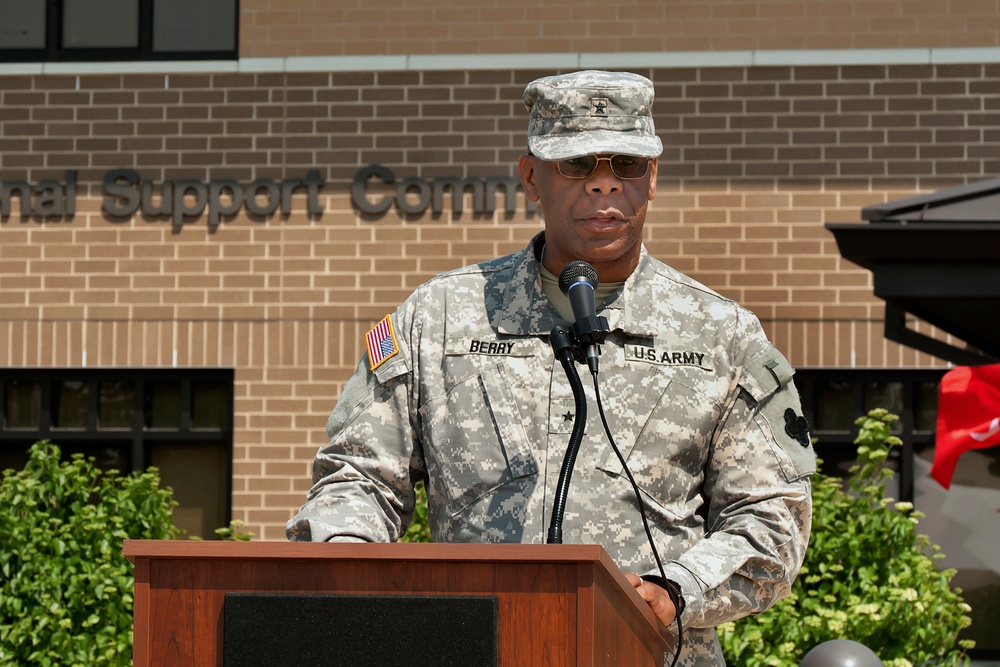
(831, 127)
(757, 160)
(301, 28)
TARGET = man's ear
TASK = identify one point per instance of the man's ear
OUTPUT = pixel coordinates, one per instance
(652, 178)
(528, 173)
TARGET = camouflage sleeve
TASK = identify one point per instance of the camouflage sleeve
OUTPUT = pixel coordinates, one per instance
(759, 501)
(363, 479)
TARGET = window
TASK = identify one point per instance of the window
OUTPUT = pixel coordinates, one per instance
(833, 399)
(177, 420)
(92, 30)
(23, 25)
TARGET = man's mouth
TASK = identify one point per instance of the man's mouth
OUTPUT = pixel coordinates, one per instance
(605, 218)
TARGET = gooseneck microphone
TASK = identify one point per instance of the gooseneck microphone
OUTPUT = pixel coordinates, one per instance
(578, 280)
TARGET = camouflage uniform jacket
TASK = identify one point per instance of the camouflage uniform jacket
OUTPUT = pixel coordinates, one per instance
(701, 405)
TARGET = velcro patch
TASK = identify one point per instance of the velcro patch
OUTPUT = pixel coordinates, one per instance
(381, 343)
(466, 346)
(768, 380)
(668, 357)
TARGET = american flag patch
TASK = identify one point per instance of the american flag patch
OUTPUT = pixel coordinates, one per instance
(381, 342)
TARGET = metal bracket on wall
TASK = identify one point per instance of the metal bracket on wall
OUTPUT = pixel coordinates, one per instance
(896, 330)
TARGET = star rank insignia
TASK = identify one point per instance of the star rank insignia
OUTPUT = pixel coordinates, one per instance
(599, 106)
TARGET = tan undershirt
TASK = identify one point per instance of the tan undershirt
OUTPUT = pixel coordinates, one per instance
(550, 285)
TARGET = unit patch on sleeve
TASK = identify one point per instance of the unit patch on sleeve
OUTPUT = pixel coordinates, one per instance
(797, 427)
(381, 343)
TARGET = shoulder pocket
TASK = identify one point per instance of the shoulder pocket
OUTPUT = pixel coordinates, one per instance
(768, 381)
(766, 373)
(392, 368)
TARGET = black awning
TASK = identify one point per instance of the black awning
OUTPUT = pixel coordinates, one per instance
(936, 257)
(978, 202)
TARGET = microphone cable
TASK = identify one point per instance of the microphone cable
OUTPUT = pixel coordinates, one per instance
(562, 344)
(645, 523)
(589, 332)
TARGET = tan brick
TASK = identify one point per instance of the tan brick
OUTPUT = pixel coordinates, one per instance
(286, 301)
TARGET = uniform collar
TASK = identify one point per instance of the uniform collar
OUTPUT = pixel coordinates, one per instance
(526, 311)
(638, 307)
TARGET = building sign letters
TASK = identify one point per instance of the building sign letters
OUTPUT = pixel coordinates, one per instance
(179, 200)
(431, 194)
(182, 201)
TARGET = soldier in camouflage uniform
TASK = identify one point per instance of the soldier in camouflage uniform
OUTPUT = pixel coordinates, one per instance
(460, 388)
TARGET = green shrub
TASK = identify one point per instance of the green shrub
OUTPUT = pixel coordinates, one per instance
(65, 588)
(230, 533)
(868, 577)
(419, 530)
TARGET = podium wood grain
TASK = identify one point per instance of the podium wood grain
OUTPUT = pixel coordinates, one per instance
(559, 605)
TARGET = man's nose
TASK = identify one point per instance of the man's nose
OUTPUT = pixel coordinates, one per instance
(603, 181)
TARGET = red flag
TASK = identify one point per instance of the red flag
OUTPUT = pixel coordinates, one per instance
(968, 416)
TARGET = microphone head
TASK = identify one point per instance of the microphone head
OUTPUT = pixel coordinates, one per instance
(576, 271)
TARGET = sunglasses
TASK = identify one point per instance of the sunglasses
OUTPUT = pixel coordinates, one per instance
(626, 167)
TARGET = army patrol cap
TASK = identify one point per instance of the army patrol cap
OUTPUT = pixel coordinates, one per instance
(591, 112)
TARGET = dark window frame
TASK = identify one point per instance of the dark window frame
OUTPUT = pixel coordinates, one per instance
(139, 438)
(838, 445)
(54, 52)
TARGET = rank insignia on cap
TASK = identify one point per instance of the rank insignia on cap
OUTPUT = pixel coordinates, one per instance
(599, 106)
(381, 343)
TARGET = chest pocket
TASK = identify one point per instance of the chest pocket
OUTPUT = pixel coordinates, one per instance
(475, 439)
(659, 427)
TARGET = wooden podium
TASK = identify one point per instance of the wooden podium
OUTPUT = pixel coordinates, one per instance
(557, 605)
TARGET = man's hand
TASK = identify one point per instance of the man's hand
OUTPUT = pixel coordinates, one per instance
(657, 598)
